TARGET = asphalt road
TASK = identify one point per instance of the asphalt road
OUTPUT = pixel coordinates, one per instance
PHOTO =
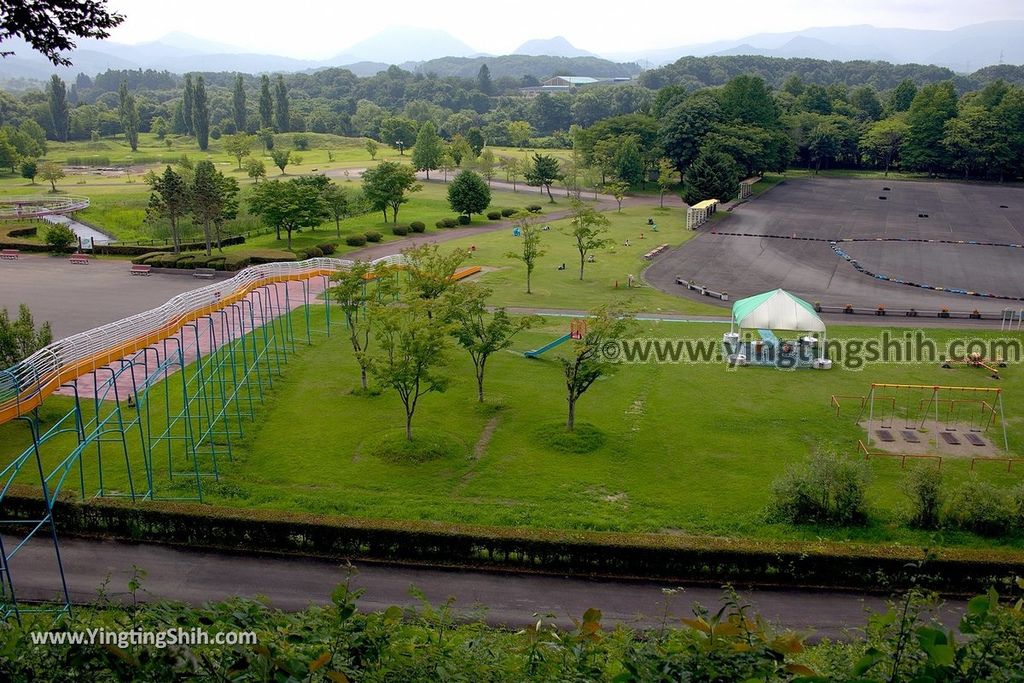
(195, 576)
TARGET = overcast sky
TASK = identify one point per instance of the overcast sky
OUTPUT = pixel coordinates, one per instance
(321, 28)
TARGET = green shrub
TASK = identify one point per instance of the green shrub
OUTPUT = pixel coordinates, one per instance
(373, 236)
(443, 223)
(187, 261)
(494, 215)
(449, 222)
(418, 226)
(61, 238)
(312, 252)
(981, 507)
(827, 489)
(216, 262)
(328, 248)
(400, 230)
(506, 213)
(268, 255)
(534, 208)
(356, 240)
(235, 261)
(923, 486)
(464, 219)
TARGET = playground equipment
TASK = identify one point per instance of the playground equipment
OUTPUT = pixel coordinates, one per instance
(1012, 320)
(776, 310)
(577, 328)
(158, 399)
(976, 360)
(39, 206)
(699, 213)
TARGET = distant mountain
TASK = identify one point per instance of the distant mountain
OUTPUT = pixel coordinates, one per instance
(404, 44)
(517, 66)
(551, 47)
(963, 50)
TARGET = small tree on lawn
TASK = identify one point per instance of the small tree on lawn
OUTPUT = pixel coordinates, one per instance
(429, 270)
(51, 172)
(588, 229)
(372, 147)
(19, 339)
(531, 249)
(666, 169)
(60, 238)
(255, 169)
(239, 145)
(386, 185)
(487, 164)
(411, 347)
(588, 362)
(426, 154)
(468, 193)
(481, 333)
(337, 204)
(281, 158)
(617, 189)
(29, 170)
(291, 204)
(355, 294)
(544, 172)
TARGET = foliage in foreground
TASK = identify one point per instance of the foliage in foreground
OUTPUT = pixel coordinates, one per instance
(337, 643)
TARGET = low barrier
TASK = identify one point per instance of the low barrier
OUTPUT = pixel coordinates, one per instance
(902, 456)
(702, 289)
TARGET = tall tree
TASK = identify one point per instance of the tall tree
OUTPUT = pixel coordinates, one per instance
(281, 113)
(712, 175)
(588, 361)
(665, 172)
(337, 204)
(429, 270)
(188, 96)
(483, 80)
(386, 184)
(48, 27)
(902, 96)
(290, 205)
(19, 339)
(544, 172)
(530, 249)
(686, 125)
(168, 201)
(238, 104)
(480, 332)
(239, 145)
(746, 99)
(51, 172)
(281, 158)
(57, 95)
(399, 132)
(468, 193)
(588, 229)
(129, 114)
(882, 142)
(266, 104)
(356, 289)
(201, 115)
(214, 198)
(933, 106)
(426, 155)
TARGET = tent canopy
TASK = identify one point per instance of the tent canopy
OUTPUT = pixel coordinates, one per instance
(776, 310)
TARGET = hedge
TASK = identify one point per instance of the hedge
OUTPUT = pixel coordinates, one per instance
(136, 250)
(373, 236)
(356, 240)
(494, 215)
(400, 230)
(651, 556)
(11, 240)
(418, 226)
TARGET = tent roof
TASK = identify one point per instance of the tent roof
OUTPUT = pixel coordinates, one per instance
(776, 310)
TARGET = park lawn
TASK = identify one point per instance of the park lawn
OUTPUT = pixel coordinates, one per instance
(689, 449)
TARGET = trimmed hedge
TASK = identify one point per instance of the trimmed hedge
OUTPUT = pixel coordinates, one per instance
(136, 250)
(14, 239)
(464, 219)
(400, 230)
(534, 208)
(418, 226)
(494, 215)
(356, 240)
(327, 248)
(652, 556)
(506, 213)
(447, 223)
(373, 236)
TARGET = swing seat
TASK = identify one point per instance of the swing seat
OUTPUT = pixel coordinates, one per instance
(974, 439)
(910, 437)
(885, 435)
(950, 439)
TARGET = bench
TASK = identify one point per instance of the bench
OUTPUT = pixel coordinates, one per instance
(204, 273)
(654, 252)
(9, 254)
(79, 259)
(141, 269)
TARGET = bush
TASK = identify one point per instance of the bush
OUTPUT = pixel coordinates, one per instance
(827, 489)
(61, 239)
(534, 208)
(923, 485)
(400, 230)
(373, 236)
(494, 215)
(464, 219)
(215, 133)
(187, 261)
(356, 240)
(980, 507)
(235, 261)
(507, 213)
(312, 252)
(300, 141)
(417, 226)
(328, 248)
(216, 262)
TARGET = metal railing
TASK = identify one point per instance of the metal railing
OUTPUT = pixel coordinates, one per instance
(37, 206)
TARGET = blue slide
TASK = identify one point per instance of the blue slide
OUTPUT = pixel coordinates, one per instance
(547, 347)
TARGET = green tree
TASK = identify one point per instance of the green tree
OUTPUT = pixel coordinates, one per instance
(399, 132)
(588, 361)
(933, 106)
(281, 158)
(238, 104)
(239, 145)
(686, 126)
(588, 229)
(266, 136)
(170, 201)
(475, 138)
(468, 193)
(48, 27)
(9, 156)
(480, 332)
(337, 205)
(665, 172)
(485, 163)
(459, 149)
(371, 148)
(51, 172)
(355, 297)
(411, 347)
(281, 113)
(617, 189)
(158, 126)
(746, 99)
(255, 169)
(57, 96)
(483, 80)
(712, 175)
(60, 238)
(520, 132)
(128, 111)
(426, 155)
(201, 115)
(266, 104)
(386, 185)
(29, 170)
(214, 199)
(291, 204)
(429, 270)
(543, 172)
(902, 96)
(882, 142)
(531, 249)
(19, 339)
(973, 141)
(513, 167)
(188, 105)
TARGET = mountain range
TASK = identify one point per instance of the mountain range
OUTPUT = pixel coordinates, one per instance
(962, 50)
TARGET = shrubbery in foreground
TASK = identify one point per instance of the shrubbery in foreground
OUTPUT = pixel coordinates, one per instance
(337, 643)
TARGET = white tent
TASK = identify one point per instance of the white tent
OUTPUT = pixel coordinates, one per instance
(776, 310)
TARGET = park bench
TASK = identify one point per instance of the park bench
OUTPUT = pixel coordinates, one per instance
(141, 269)
(79, 259)
(9, 254)
(654, 252)
(204, 273)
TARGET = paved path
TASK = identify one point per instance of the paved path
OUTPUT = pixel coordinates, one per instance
(194, 576)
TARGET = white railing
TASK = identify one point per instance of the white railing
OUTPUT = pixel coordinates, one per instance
(30, 380)
(37, 206)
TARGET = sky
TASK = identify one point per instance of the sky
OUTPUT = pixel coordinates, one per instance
(316, 29)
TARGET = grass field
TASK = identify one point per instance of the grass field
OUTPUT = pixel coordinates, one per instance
(689, 449)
